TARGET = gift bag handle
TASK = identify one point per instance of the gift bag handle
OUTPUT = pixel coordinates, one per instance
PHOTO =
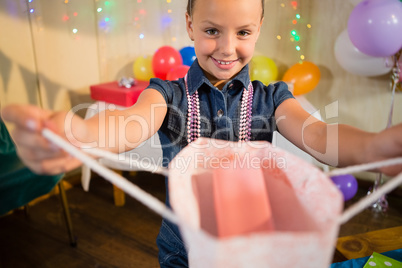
(116, 179)
(373, 197)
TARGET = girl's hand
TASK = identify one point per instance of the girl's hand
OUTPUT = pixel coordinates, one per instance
(37, 153)
(387, 144)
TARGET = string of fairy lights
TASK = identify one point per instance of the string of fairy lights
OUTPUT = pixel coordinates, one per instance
(298, 23)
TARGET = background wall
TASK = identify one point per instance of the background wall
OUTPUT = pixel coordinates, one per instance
(52, 51)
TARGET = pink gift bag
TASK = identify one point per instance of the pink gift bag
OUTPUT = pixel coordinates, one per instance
(253, 205)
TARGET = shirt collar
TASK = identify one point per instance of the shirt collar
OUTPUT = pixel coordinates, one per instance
(196, 77)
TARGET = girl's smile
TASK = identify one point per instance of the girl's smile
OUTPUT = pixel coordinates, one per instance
(224, 64)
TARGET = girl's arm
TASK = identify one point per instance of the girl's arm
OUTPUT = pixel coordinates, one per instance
(337, 144)
(122, 130)
(116, 131)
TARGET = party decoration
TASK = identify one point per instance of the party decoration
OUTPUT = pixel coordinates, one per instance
(177, 72)
(142, 68)
(164, 59)
(263, 69)
(381, 205)
(347, 184)
(298, 25)
(304, 77)
(381, 261)
(356, 62)
(127, 82)
(375, 27)
(188, 55)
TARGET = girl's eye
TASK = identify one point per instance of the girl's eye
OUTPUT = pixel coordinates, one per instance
(243, 33)
(212, 32)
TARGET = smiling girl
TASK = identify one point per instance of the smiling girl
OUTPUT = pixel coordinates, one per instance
(216, 99)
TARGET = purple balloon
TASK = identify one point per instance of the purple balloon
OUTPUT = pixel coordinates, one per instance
(375, 27)
(347, 184)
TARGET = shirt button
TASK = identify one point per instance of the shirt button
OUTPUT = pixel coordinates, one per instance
(220, 113)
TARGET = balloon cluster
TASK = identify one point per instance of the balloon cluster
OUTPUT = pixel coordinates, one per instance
(167, 64)
(373, 36)
(304, 76)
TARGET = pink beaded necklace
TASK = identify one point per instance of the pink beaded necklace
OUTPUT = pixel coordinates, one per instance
(194, 121)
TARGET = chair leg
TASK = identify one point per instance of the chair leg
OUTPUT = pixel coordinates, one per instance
(73, 241)
(118, 194)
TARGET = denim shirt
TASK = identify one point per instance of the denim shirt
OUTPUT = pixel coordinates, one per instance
(219, 109)
(220, 119)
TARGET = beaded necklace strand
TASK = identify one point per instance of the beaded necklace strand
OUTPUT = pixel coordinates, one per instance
(194, 119)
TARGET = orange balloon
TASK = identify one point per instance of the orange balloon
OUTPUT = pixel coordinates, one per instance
(304, 76)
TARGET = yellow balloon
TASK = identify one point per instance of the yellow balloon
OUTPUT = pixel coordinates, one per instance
(263, 69)
(142, 68)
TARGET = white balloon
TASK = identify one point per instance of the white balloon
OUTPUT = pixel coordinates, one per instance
(356, 62)
(355, 2)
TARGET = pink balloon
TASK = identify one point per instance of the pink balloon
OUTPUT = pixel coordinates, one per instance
(164, 59)
(177, 72)
(375, 27)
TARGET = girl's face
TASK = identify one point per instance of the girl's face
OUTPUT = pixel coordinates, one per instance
(224, 34)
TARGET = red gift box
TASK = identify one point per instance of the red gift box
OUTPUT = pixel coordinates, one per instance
(113, 93)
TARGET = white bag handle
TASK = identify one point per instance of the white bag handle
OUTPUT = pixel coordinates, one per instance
(161, 209)
(130, 188)
(373, 197)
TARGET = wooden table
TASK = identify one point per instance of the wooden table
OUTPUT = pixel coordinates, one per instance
(363, 245)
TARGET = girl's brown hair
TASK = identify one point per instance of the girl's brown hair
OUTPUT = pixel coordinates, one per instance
(191, 3)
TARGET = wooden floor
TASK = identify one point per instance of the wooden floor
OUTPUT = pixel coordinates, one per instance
(110, 236)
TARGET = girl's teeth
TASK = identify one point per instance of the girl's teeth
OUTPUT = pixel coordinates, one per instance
(224, 63)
